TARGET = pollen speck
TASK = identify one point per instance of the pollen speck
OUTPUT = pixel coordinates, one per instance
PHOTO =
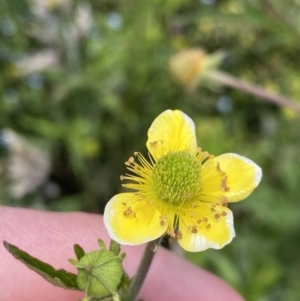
(128, 211)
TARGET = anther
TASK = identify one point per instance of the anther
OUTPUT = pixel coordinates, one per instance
(128, 211)
(124, 203)
(223, 213)
(224, 201)
(205, 154)
(179, 234)
(163, 220)
(170, 232)
(121, 177)
(205, 219)
(217, 216)
(208, 226)
(153, 143)
(194, 229)
(199, 221)
(219, 169)
(224, 182)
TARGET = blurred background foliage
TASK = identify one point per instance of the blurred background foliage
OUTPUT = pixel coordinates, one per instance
(81, 82)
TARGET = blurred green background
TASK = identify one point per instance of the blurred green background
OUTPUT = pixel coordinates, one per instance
(81, 82)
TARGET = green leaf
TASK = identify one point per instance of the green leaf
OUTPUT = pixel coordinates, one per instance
(115, 247)
(124, 285)
(101, 244)
(60, 278)
(79, 252)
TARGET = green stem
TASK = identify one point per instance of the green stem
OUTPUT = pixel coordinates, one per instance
(143, 269)
(233, 82)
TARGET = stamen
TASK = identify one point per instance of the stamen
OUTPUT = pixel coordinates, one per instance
(170, 232)
(220, 170)
(179, 234)
(224, 201)
(194, 229)
(217, 216)
(224, 182)
(128, 211)
(163, 220)
(208, 226)
(223, 213)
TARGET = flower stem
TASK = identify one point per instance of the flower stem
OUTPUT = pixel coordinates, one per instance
(143, 269)
(231, 81)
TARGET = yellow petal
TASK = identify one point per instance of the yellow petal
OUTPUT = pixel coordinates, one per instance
(202, 229)
(132, 221)
(239, 174)
(171, 131)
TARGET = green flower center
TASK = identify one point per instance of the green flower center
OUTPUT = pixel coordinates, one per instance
(176, 177)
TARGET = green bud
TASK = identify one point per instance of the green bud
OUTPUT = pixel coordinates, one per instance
(99, 273)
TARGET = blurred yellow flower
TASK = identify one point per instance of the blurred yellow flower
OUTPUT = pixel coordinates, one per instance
(180, 191)
(191, 66)
(187, 65)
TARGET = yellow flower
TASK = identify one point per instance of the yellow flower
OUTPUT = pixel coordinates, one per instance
(180, 191)
(187, 66)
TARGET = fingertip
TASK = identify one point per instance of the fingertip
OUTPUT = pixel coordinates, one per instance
(51, 236)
